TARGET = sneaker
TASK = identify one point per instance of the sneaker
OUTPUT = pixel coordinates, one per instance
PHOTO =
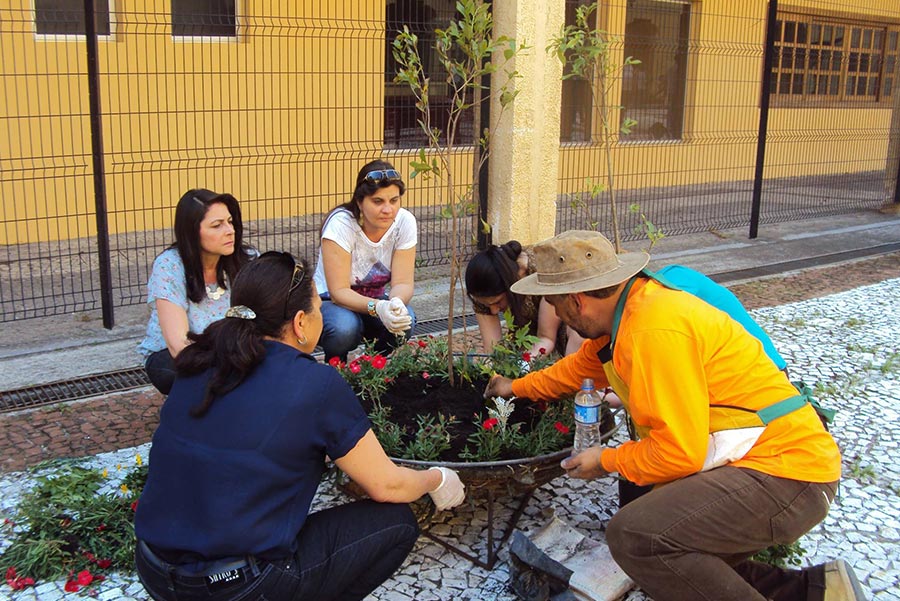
(841, 583)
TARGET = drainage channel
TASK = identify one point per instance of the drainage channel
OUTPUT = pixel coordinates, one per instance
(72, 389)
(128, 379)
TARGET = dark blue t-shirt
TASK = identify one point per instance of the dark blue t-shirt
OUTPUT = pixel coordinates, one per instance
(240, 480)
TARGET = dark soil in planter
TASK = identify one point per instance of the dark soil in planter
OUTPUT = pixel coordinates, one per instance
(409, 397)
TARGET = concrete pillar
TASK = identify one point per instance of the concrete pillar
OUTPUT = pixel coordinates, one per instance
(525, 141)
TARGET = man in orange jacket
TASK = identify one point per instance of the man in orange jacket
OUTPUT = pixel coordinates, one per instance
(740, 460)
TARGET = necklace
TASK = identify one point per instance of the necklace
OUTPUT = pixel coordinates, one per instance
(214, 291)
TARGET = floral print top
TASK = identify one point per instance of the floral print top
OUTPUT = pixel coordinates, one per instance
(168, 281)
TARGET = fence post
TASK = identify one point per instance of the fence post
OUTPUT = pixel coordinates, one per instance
(99, 172)
(893, 159)
(768, 59)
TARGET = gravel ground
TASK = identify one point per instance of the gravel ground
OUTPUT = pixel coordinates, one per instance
(847, 342)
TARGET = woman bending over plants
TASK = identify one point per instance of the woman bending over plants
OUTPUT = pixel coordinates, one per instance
(240, 451)
(489, 276)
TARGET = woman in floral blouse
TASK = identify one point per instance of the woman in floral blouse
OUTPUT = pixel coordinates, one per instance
(189, 285)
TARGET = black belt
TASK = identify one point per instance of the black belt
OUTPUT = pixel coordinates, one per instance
(221, 572)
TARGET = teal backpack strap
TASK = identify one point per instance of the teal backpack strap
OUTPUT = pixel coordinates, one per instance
(782, 408)
(617, 314)
(826, 414)
(661, 279)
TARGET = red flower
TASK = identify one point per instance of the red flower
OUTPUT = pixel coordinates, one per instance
(489, 423)
(561, 427)
(104, 563)
(422, 344)
(354, 368)
(101, 527)
(8, 522)
(85, 578)
(526, 356)
(16, 582)
(426, 375)
(335, 362)
(134, 505)
(542, 351)
(364, 358)
(89, 556)
(378, 361)
(71, 586)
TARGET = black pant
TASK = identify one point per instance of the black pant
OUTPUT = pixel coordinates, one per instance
(343, 553)
(160, 368)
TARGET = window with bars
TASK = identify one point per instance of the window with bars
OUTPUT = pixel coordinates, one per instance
(204, 18)
(401, 117)
(66, 17)
(657, 33)
(828, 60)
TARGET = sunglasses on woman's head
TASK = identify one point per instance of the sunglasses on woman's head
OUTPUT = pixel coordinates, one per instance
(382, 175)
(296, 277)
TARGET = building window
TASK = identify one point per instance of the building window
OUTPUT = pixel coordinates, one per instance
(401, 117)
(66, 17)
(576, 106)
(822, 59)
(653, 92)
(203, 18)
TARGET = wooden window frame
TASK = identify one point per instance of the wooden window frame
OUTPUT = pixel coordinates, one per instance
(834, 60)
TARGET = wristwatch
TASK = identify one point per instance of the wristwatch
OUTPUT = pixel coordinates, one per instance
(371, 308)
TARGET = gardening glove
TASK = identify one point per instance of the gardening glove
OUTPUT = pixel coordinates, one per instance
(451, 491)
(395, 320)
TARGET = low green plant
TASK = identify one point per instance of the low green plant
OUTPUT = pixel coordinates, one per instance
(862, 473)
(891, 364)
(65, 527)
(389, 434)
(366, 373)
(511, 357)
(782, 556)
(431, 439)
(854, 322)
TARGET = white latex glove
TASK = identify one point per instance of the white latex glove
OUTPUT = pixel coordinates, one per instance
(451, 491)
(393, 322)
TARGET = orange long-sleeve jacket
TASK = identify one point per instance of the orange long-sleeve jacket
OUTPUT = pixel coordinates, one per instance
(678, 356)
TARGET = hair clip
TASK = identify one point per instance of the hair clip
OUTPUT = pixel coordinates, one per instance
(241, 312)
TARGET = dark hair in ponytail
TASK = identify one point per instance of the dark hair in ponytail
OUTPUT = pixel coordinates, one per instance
(493, 270)
(233, 347)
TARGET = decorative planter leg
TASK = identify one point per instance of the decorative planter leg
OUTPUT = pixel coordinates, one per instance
(492, 548)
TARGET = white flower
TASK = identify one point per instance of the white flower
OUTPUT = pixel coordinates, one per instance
(504, 408)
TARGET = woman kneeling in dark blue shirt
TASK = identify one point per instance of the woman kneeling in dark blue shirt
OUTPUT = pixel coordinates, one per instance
(241, 448)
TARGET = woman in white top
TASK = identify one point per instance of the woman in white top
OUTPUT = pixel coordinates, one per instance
(365, 273)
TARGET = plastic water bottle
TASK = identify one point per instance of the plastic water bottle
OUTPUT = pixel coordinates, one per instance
(587, 417)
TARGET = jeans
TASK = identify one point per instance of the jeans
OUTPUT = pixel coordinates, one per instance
(692, 538)
(160, 368)
(343, 553)
(343, 330)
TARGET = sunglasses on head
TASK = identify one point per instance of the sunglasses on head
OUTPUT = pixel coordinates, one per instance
(382, 175)
(296, 277)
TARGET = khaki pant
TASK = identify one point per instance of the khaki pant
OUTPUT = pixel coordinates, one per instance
(691, 538)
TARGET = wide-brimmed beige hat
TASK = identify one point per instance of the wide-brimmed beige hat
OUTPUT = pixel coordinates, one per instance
(578, 261)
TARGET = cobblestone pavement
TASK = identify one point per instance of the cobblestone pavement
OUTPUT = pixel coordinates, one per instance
(847, 342)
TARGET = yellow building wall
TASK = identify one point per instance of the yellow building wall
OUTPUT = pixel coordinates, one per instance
(721, 118)
(270, 116)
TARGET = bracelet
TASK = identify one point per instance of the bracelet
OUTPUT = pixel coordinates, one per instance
(371, 308)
